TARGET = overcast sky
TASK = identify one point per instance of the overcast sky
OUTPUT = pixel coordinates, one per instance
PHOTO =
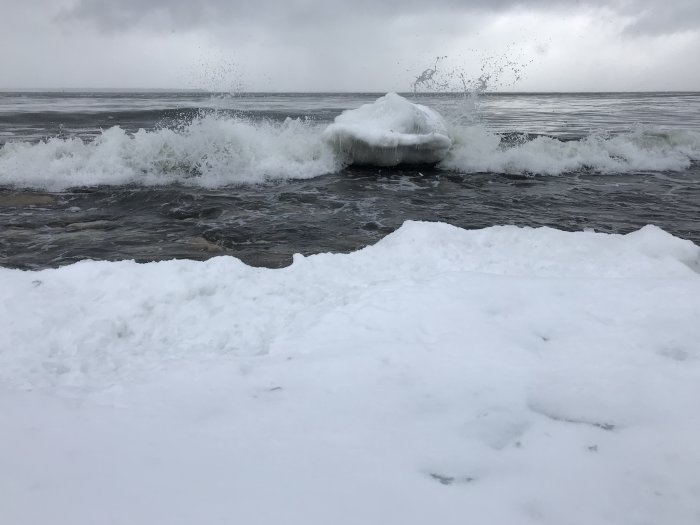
(360, 45)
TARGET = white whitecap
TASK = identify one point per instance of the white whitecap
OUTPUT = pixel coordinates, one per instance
(210, 151)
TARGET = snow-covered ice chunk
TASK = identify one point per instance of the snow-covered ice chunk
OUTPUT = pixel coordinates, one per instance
(390, 131)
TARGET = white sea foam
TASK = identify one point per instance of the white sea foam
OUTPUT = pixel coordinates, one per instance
(210, 151)
(215, 151)
(644, 149)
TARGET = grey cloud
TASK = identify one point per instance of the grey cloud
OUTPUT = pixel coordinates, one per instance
(185, 13)
(648, 16)
(654, 17)
(343, 45)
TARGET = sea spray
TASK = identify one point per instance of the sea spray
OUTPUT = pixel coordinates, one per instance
(495, 72)
(451, 75)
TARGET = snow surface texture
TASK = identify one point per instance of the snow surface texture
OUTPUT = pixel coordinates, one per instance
(502, 376)
(389, 132)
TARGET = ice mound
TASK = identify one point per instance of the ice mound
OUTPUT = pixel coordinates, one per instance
(389, 132)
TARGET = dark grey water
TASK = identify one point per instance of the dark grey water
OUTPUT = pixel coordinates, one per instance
(50, 216)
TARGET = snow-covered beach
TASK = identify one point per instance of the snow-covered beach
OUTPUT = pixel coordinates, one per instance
(504, 376)
(349, 263)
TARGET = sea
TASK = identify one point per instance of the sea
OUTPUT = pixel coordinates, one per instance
(150, 176)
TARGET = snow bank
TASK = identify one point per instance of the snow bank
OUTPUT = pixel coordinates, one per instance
(506, 375)
(390, 131)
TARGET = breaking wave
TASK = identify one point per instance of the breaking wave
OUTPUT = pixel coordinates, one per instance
(215, 151)
(210, 151)
(642, 149)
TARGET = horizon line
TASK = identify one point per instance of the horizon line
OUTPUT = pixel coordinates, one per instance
(330, 92)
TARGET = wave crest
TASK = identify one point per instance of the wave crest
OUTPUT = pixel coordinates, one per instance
(643, 149)
(210, 151)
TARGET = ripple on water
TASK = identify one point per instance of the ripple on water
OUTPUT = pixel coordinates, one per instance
(265, 225)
